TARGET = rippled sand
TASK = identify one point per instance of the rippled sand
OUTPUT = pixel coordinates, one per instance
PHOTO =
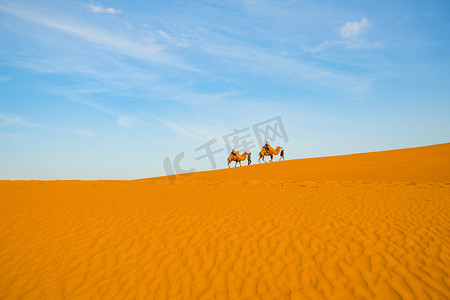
(366, 226)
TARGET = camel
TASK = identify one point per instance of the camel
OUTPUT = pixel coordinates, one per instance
(272, 152)
(238, 158)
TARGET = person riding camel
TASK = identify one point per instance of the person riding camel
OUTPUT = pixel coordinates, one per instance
(266, 146)
(233, 153)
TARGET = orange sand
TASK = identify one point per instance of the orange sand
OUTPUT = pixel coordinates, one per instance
(365, 226)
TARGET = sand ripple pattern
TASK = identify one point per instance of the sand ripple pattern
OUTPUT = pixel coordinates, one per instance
(369, 226)
(210, 240)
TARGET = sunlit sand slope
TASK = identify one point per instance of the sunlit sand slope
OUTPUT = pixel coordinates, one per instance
(365, 226)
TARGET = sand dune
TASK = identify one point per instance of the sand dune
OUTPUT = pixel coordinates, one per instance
(364, 226)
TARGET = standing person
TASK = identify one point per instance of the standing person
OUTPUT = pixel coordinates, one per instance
(249, 159)
(282, 154)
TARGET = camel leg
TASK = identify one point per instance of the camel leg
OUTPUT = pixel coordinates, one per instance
(271, 158)
(240, 164)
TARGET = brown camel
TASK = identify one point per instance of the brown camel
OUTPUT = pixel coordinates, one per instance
(237, 158)
(272, 152)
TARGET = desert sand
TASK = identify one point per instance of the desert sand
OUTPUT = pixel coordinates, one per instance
(364, 226)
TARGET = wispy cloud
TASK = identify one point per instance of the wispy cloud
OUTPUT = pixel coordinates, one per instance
(90, 134)
(350, 38)
(101, 9)
(198, 131)
(195, 98)
(126, 121)
(180, 130)
(11, 135)
(361, 89)
(4, 78)
(14, 120)
(146, 49)
(122, 119)
(178, 56)
(250, 59)
(178, 41)
(347, 44)
(85, 133)
(354, 29)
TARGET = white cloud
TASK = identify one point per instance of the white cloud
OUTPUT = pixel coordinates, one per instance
(199, 131)
(179, 41)
(280, 68)
(349, 33)
(6, 120)
(86, 133)
(122, 120)
(348, 44)
(353, 29)
(11, 120)
(145, 50)
(13, 135)
(180, 129)
(126, 121)
(226, 50)
(91, 135)
(100, 9)
(164, 35)
(362, 86)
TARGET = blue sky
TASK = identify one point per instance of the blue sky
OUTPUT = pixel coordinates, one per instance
(109, 89)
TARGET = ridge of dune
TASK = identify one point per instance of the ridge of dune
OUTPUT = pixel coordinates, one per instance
(426, 163)
(361, 226)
